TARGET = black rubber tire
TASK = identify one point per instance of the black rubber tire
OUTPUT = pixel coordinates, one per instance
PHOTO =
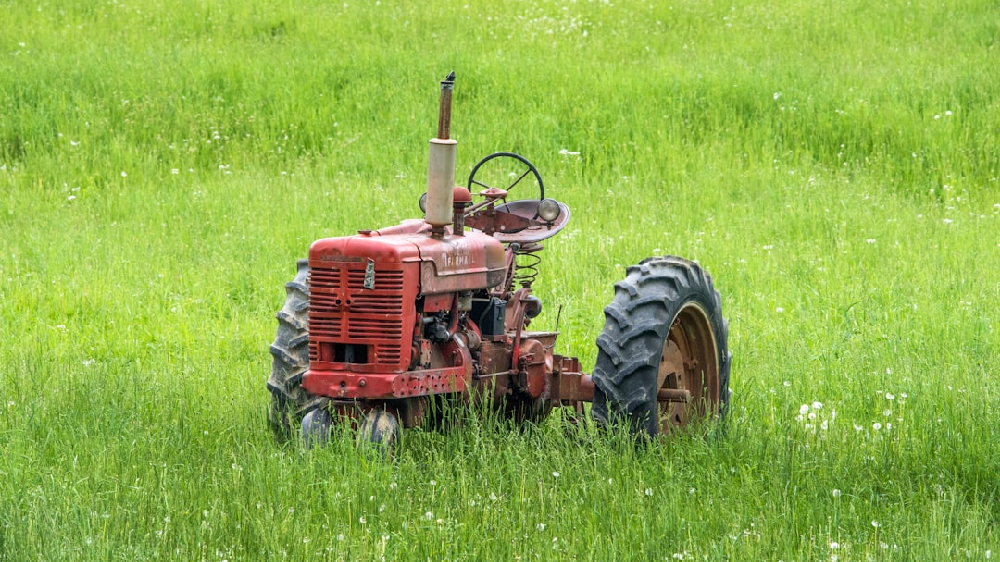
(638, 324)
(379, 431)
(290, 352)
(316, 426)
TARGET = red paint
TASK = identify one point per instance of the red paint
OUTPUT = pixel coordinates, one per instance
(345, 384)
(356, 329)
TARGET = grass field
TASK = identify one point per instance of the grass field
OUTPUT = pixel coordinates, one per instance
(834, 166)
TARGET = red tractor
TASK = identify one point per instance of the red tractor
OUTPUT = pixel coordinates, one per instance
(384, 328)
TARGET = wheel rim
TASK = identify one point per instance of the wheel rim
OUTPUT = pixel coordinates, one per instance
(688, 375)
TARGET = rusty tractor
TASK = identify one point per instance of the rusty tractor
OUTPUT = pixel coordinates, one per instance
(383, 328)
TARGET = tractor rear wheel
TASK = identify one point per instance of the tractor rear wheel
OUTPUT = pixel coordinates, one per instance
(290, 352)
(663, 359)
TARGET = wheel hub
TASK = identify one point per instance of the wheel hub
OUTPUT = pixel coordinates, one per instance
(688, 374)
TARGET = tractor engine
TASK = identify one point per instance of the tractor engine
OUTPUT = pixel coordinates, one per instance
(389, 311)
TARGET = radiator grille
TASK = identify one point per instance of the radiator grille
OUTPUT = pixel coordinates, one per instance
(343, 311)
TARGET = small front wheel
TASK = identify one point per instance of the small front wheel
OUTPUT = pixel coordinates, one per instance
(316, 426)
(379, 429)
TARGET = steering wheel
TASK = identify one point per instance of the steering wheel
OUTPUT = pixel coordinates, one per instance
(522, 162)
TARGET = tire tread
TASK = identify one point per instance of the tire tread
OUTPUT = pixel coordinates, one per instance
(638, 321)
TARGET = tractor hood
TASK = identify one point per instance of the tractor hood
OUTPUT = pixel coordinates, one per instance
(448, 264)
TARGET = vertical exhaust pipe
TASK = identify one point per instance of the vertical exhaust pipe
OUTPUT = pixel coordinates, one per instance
(441, 166)
(444, 110)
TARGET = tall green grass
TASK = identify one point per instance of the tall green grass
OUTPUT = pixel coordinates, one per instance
(833, 165)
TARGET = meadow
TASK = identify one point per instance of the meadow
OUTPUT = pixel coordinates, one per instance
(833, 165)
